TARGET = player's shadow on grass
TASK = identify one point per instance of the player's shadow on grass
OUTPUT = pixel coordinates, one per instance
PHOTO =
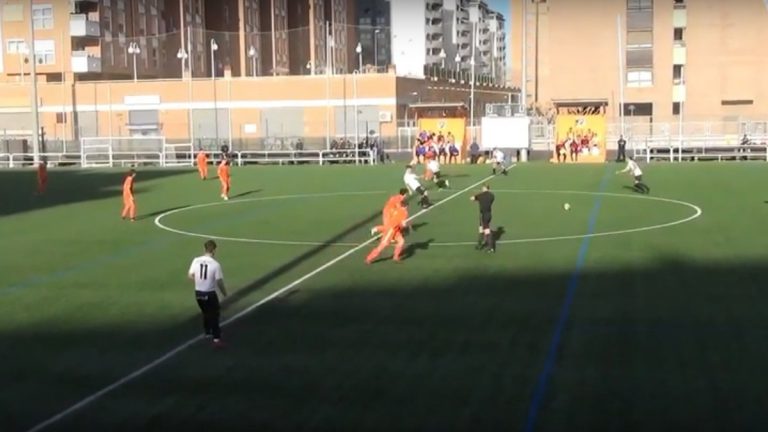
(245, 194)
(412, 249)
(299, 259)
(159, 212)
(633, 189)
(70, 186)
(418, 225)
(498, 233)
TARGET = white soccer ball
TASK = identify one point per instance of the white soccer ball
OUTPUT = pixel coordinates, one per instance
(566, 206)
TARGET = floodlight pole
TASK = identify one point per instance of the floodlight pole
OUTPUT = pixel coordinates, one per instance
(35, 111)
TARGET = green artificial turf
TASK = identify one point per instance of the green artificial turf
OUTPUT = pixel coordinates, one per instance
(655, 329)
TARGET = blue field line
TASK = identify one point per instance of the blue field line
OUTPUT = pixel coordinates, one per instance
(565, 311)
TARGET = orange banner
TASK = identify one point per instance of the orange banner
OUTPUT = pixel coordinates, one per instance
(579, 138)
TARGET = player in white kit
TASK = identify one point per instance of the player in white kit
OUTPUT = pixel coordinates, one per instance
(412, 182)
(206, 272)
(634, 169)
(499, 161)
(434, 167)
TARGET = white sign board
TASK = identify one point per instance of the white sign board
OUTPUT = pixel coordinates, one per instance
(505, 132)
(250, 129)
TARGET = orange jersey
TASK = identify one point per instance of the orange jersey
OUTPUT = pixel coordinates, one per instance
(42, 172)
(128, 186)
(397, 218)
(202, 158)
(223, 171)
(392, 204)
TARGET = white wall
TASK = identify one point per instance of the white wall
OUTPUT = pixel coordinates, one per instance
(408, 40)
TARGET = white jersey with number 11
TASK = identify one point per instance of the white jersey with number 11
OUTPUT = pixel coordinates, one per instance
(207, 272)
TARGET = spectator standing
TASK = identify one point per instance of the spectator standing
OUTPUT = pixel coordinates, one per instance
(622, 155)
(474, 152)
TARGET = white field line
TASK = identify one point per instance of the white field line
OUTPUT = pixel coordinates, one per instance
(172, 353)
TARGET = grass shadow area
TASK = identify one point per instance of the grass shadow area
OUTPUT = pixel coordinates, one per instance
(660, 347)
(68, 186)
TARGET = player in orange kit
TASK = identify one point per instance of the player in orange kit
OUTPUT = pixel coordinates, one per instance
(392, 204)
(224, 178)
(202, 164)
(393, 231)
(129, 205)
(42, 177)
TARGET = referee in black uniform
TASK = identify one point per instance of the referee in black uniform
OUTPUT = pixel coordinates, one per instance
(485, 238)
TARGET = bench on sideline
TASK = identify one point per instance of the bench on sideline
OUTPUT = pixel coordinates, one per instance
(701, 149)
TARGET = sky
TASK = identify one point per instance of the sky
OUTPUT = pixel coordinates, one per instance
(502, 6)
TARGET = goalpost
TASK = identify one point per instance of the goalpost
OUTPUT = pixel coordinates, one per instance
(112, 151)
(178, 155)
(95, 153)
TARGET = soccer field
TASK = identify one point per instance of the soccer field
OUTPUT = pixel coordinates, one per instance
(627, 312)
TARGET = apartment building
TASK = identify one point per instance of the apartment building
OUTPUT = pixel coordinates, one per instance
(234, 25)
(703, 59)
(342, 36)
(98, 39)
(373, 20)
(450, 32)
(307, 43)
(274, 37)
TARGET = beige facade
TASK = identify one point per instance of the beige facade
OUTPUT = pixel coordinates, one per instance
(704, 58)
(247, 110)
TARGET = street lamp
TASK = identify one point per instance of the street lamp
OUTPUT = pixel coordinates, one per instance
(253, 56)
(214, 48)
(23, 52)
(359, 51)
(182, 56)
(134, 50)
(376, 49)
(357, 123)
(457, 60)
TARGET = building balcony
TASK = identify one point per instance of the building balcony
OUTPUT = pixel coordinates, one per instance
(84, 62)
(680, 18)
(679, 54)
(678, 93)
(81, 26)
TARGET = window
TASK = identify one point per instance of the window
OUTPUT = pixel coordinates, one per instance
(16, 46)
(675, 108)
(733, 102)
(639, 39)
(677, 74)
(45, 52)
(12, 13)
(639, 5)
(640, 58)
(42, 16)
(640, 78)
(640, 20)
(679, 34)
(640, 109)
